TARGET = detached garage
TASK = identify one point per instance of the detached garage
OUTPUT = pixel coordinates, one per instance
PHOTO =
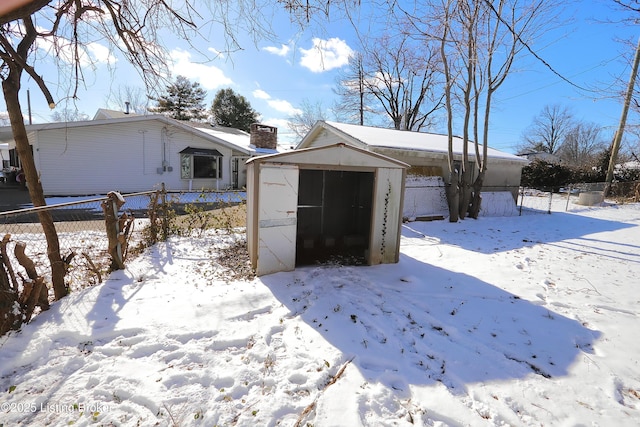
(330, 203)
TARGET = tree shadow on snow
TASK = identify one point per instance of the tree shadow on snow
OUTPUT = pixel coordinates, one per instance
(432, 326)
(493, 235)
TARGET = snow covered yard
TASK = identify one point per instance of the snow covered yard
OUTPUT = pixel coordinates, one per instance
(526, 320)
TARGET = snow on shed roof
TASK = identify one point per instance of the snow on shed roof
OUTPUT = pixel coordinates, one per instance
(338, 154)
(404, 140)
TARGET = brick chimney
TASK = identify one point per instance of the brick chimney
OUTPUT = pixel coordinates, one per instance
(264, 136)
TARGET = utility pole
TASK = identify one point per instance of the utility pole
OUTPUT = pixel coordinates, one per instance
(29, 106)
(623, 121)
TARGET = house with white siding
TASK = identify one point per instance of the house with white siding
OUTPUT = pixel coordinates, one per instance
(130, 153)
(4, 155)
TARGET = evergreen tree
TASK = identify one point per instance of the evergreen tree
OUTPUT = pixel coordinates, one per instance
(233, 110)
(183, 100)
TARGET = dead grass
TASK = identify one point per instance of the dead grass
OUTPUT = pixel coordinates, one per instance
(226, 217)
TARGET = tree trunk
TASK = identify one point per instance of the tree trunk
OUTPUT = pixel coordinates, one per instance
(34, 292)
(10, 318)
(114, 232)
(11, 88)
(451, 186)
(465, 198)
(453, 198)
(476, 200)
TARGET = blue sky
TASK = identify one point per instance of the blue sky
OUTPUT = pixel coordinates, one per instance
(278, 74)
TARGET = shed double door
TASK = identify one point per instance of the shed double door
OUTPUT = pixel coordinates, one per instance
(334, 216)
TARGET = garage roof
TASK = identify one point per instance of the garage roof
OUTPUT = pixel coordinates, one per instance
(369, 136)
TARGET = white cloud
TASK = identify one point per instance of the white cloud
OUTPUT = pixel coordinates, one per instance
(100, 53)
(260, 94)
(216, 52)
(209, 76)
(280, 105)
(280, 51)
(283, 106)
(281, 124)
(325, 55)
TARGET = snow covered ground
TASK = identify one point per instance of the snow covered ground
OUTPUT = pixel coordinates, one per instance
(521, 320)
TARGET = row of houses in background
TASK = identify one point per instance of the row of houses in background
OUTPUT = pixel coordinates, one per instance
(129, 153)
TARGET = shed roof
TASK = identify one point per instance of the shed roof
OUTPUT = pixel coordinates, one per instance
(369, 136)
(334, 155)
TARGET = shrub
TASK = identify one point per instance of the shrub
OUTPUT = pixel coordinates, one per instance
(546, 176)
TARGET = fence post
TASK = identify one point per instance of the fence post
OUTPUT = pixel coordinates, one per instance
(521, 189)
(566, 208)
(110, 207)
(550, 200)
(165, 219)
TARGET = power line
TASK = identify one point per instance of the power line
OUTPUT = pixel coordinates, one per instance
(532, 52)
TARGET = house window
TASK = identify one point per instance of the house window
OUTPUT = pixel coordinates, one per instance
(13, 157)
(200, 163)
(185, 166)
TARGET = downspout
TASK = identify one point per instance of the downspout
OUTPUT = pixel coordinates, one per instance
(163, 139)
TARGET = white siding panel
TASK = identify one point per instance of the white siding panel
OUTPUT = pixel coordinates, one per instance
(424, 196)
(123, 157)
(325, 138)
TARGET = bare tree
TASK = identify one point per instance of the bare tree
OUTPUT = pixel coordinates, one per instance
(581, 145)
(453, 188)
(352, 93)
(128, 98)
(401, 75)
(302, 122)
(67, 27)
(69, 115)
(548, 129)
(479, 43)
(509, 28)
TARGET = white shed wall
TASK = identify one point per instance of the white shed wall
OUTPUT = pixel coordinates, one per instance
(276, 221)
(386, 220)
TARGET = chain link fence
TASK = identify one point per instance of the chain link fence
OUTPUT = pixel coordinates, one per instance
(82, 229)
(574, 197)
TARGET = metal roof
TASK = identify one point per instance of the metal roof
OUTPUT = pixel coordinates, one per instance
(369, 137)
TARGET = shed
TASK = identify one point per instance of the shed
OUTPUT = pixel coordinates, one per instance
(320, 204)
(427, 156)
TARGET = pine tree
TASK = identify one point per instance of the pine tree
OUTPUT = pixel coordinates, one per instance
(183, 100)
(233, 110)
